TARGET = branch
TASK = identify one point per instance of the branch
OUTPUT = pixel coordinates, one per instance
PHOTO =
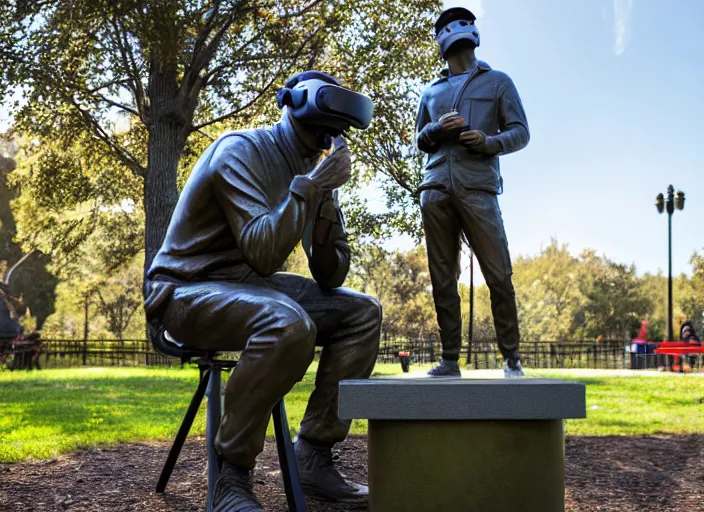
(118, 105)
(201, 60)
(385, 164)
(237, 110)
(276, 76)
(129, 316)
(137, 79)
(108, 84)
(102, 306)
(221, 67)
(127, 158)
(301, 12)
(201, 132)
(130, 67)
(237, 51)
(214, 71)
(391, 157)
(254, 58)
(192, 82)
(203, 36)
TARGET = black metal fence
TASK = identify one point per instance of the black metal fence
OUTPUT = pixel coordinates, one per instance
(543, 354)
(65, 353)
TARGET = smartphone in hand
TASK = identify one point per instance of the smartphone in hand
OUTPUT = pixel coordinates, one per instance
(444, 117)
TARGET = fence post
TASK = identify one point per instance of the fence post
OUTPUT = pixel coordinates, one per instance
(535, 355)
(86, 303)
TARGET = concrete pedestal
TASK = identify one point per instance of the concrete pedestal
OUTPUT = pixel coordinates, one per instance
(464, 444)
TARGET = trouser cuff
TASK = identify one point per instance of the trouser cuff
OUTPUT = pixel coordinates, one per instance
(242, 461)
(451, 350)
(316, 443)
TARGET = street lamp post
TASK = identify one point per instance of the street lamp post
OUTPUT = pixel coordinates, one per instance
(669, 204)
(470, 326)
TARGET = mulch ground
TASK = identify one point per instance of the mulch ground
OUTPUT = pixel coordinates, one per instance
(647, 473)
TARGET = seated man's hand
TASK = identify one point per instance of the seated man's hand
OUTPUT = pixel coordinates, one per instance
(335, 170)
(476, 141)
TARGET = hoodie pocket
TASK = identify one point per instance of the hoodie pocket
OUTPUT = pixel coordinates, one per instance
(436, 159)
(481, 113)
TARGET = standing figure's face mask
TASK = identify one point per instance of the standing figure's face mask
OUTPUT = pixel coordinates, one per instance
(325, 109)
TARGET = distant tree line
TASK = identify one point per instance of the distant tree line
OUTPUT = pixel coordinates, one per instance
(560, 297)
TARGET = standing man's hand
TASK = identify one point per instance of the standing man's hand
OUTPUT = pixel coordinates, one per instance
(478, 142)
(447, 128)
(335, 170)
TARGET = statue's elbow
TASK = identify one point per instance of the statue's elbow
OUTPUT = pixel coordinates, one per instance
(265, 264)
(332, 280)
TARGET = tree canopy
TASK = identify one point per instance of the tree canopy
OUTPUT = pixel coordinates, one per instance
(122, 96)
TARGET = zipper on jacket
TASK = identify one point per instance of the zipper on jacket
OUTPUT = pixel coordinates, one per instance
(455, 107)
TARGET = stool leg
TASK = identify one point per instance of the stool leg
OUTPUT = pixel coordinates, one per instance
(182, 433)
(212, 424)
(287, 460)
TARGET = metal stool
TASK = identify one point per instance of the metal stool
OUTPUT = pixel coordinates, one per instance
(210, 378)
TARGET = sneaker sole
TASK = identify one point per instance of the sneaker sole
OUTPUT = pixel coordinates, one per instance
(316, 494)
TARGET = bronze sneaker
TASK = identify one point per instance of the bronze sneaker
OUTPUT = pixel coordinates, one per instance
(446, 368)
(319, 476)
(233, 491)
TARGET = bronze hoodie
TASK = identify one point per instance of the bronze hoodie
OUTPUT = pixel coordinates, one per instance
(243, 210)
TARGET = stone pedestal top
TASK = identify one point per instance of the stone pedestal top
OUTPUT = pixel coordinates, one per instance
(461, 399)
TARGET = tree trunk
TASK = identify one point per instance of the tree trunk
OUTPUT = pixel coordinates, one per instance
(160, 191)
(166, 140)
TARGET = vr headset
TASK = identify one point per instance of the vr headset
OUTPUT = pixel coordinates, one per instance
(320, 103)
(453, 25)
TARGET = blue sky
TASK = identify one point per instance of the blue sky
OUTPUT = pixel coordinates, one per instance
(614, 93)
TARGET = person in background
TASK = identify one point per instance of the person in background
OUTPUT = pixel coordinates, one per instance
(9, 326)
(688, 334)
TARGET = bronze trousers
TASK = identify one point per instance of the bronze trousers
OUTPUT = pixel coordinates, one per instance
(276, 322)
(477, 214)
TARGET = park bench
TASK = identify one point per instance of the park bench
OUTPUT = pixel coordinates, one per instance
(677, 349)
(211, 368)
(464, 444)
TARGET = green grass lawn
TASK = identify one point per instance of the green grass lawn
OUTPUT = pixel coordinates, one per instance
(48, 412)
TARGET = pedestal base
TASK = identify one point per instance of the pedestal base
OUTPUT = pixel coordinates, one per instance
(464, 445)
(466, 466)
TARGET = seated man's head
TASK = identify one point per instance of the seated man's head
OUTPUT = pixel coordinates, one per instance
(455, 32)
(322, 107)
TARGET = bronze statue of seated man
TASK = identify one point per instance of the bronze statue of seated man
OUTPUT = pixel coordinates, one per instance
(215, 284)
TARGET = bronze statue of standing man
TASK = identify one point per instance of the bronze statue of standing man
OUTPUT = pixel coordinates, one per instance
(466, 120)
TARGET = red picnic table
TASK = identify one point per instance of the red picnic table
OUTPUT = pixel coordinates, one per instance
(678, 349)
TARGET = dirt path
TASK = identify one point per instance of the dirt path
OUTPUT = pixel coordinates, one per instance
(650, 473)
